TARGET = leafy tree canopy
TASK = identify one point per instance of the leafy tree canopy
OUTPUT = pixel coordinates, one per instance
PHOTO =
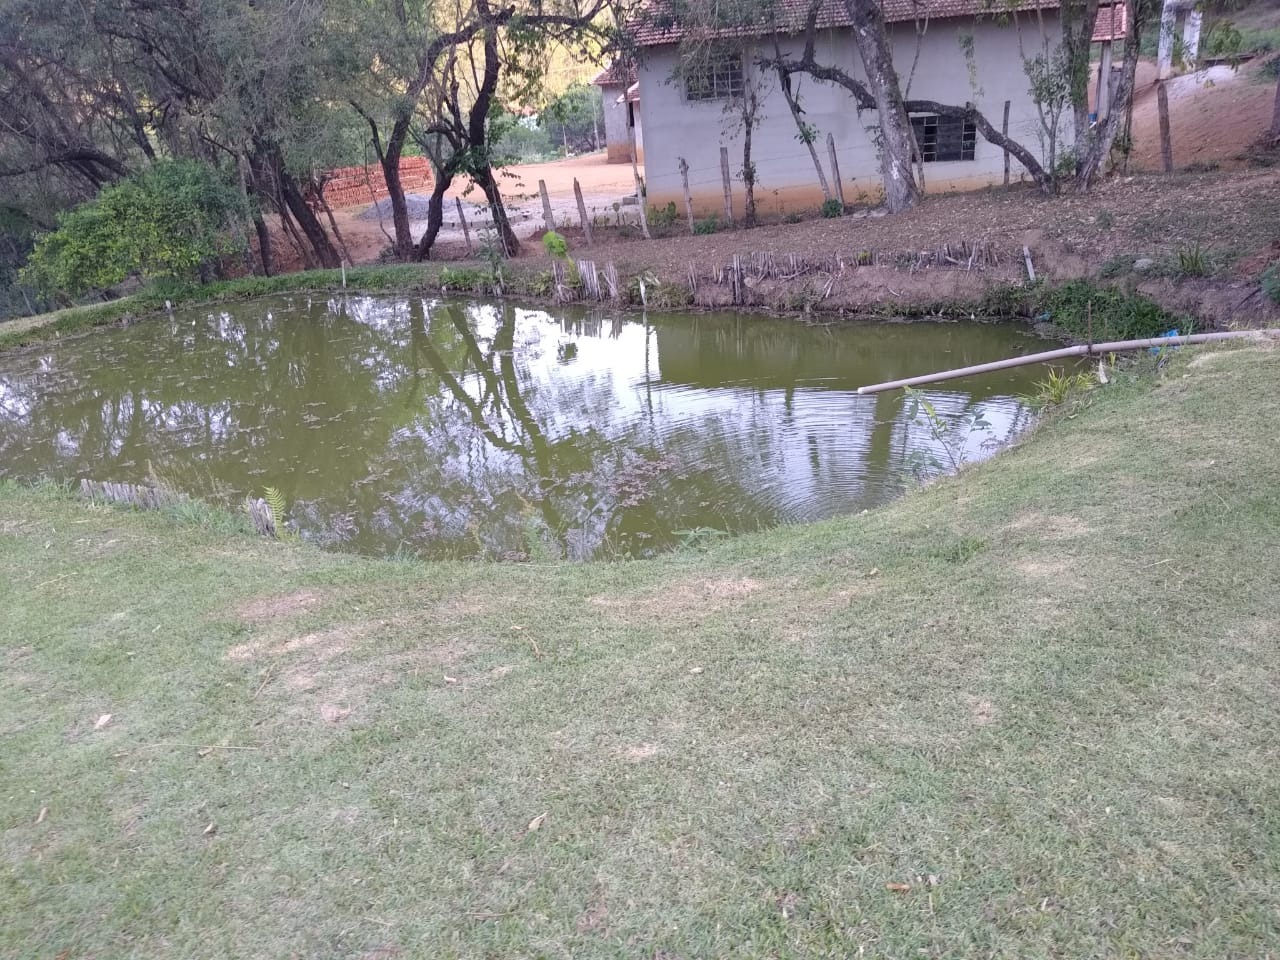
(167, 221)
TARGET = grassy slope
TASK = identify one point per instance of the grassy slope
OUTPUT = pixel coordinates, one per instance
(1051, 683)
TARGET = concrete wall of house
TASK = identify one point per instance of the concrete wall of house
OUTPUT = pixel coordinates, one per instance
(616, 138)
(785, 178)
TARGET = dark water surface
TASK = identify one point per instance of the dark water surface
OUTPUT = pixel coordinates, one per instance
(447, 428)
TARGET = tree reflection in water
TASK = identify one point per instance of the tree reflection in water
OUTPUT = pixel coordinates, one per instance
(469, 429)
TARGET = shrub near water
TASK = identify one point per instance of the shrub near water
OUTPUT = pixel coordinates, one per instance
(164, 222)
(1118, 314)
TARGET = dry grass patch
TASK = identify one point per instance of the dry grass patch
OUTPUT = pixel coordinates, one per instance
(1044, 526)
(263, 609)
(684, 598)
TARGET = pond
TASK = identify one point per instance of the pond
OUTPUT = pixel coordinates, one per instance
(447, 428)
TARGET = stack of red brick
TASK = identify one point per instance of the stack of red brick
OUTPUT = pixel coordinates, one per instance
(350, 186)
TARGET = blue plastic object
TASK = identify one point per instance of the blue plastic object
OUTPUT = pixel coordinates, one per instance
(1167, 333)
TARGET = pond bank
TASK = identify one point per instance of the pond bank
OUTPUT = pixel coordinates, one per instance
(1042, 685)
(1060, 308)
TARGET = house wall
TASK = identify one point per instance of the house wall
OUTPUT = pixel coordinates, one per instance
(616, 138)
(785, 178)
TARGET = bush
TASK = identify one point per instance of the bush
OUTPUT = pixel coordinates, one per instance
(663, 216)
(707, 226)
(1117, 314)
(1193, 261)
(555, 245)
(166, 222)
(832, 208)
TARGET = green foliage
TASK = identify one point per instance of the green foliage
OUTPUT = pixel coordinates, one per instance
(706, 226)
(1270, 281)
(832, 208)
(515, 139)
(1192, 260)
(663, 216)
(1118, 266)
(466, 278)
(950, 434)
(169, 221)
(1118, 314)
(1105, 220)
(959, 550)
(1055, 389)
(275, 500)
(572, 117)
(793, 217)
(555, 245)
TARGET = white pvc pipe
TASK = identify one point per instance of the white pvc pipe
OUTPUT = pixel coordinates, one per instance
(1082, 350)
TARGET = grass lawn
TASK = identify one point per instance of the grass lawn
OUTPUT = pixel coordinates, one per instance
(1030, 711)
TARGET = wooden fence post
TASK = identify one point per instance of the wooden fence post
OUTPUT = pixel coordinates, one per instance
(548, 218)
(1004, 129)
(582, 212)
(835, 169)
(728, 190)
(688, 200)
(1166, 138)
(462, 219)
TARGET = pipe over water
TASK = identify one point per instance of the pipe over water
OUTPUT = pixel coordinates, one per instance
(1081, 350)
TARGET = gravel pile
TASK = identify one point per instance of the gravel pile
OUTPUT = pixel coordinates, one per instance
(416, 203)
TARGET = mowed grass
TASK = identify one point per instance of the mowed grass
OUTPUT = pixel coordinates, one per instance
(1030, 711)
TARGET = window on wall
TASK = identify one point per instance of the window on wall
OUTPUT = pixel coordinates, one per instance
(718, 78)
(942, 138)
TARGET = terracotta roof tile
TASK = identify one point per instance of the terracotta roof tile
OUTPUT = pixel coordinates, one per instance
(1112, 22)
(654, 25)
(617, 74)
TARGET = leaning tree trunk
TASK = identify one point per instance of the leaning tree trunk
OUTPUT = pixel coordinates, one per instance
(264, 245)
(484, 179)
(307, 220)
(900, 189)
(804, 132)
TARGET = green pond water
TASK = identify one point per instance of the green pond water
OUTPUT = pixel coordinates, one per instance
(461, 429)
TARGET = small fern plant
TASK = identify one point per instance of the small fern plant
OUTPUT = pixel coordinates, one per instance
(268, 514)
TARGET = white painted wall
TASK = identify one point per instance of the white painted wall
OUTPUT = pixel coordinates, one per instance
(785, 178)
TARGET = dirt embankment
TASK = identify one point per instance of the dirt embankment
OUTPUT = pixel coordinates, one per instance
(1196, 242)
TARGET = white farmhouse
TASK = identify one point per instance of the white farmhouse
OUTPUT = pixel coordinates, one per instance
(618, 101)
(949, 51)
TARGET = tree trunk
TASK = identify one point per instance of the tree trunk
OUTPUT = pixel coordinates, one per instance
(478, 137)
(483, 176)
(1078, 18)
(390, 163)
(435, 214)
(308, 221)
(264, 245)
(900, 189)
(1099, 146)
(803, 130)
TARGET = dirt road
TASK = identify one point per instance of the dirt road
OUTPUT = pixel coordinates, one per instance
(604, 187)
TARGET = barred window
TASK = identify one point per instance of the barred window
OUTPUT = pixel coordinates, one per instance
(718, 78)
(944, 138)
